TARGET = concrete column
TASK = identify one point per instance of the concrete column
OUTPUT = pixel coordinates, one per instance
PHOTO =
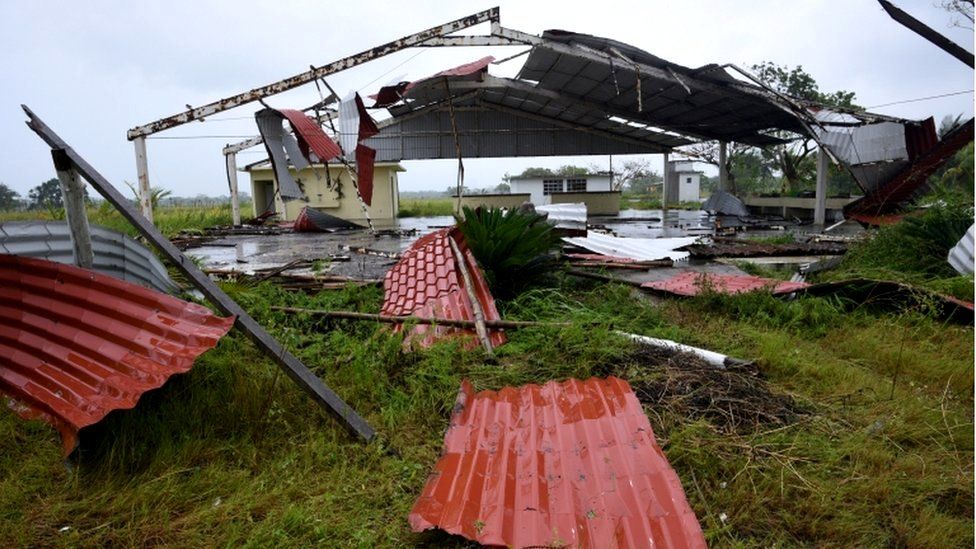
(73, 195)
(235, 203)
(820, 207)
(664, 191)
(723, 173)
(142, 170)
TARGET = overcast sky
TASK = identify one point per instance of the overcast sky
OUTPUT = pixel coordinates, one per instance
(92, 70)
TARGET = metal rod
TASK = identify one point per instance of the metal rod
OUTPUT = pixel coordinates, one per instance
(393, 319)
(479, 314)
(299, 373)
(415, 39)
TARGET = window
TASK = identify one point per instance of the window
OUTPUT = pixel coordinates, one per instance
(576, 185)
(550, 186)
(688, 180)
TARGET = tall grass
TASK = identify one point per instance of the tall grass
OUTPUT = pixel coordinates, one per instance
(170, 220)
(426, 207)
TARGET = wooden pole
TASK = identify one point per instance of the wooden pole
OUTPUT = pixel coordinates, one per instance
(142, 171)
(479, 315)
(73, 195)
(392, 319)
(235, 203)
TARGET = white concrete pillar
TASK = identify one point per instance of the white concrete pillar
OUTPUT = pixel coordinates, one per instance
(235, 203)
(664, 190)
(73, 196)
(142, 170)
(820, 207)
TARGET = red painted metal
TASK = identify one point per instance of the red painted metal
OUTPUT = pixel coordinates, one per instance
(891, 196)
(693, 283)
(310, 135)
(76, 344)
(365, 160)
(427, 282)
(389, 95)
(571, 464)
(920, 138)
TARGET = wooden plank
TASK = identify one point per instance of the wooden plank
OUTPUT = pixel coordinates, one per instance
(293, 367)
(73, 193)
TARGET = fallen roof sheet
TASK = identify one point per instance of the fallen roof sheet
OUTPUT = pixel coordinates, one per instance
(565, 216)
(391, 94)
(641, 249)
(897, 296)
(725, 203)
(115, 254)
(571, 464)
(310, 220)
(76, 345)
(912, 181)
(961, 255)
(693, 283)
(428, 283)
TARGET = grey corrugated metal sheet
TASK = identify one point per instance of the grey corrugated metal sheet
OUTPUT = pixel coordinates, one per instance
(641, 249)
(961, 255)
(115, 253)
(725, 203)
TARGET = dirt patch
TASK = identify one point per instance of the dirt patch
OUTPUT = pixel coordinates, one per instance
(735, 399)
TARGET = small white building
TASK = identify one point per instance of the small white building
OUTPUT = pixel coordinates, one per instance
(542, 188)
(684, 184)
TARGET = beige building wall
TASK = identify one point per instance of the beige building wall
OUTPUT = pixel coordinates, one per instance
(319, 195)
(495, 200)
(597, 203)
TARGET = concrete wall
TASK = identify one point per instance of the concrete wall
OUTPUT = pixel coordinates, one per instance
(790, 206)
(534, 186)
(597, 203)
(318, 195)
(495, 200)
(689, 186)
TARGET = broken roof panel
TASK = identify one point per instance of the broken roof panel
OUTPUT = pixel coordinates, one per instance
(641, 249)
(428, 283)
(114, 253)
(571, 464)
(705, 102)
(693, 283)
(76, 345)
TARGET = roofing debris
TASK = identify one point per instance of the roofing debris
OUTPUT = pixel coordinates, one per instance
(571, 464)
(693, 283)
(568, 217)
(311, 220)
(428, 282)
(961, 255)
(641, 249)
(745, 248)
(76, 344)
(725, 203)
(898, 296)
(115, 254)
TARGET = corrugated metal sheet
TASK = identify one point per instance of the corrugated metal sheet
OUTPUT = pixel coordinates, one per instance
(565, 216)
(310, 220)
(725, 203)
(693, 283)
(115, 254)
(641, 249)
(76, 344)
(913, 180)
(427, 282)
(310, 135)
(961, 255)
(571, 464)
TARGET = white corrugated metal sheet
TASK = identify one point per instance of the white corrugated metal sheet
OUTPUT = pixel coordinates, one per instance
(641, 249)
(565, 216)
(961, 255)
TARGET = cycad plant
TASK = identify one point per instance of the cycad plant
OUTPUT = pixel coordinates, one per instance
(512, 248)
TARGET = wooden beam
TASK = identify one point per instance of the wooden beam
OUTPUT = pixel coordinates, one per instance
(73, 194)
(293, 367)
(479, 314)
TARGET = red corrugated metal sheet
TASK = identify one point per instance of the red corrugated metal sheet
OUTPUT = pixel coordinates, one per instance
(920, 138)
(903, 188)
(692, 283)
(570, 464)
(76, 344)
(310, 135)
(365, 160)
(426, 282)
(389, 95)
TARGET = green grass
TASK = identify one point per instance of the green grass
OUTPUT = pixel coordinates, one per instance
(234, 454)
(639, 202)
(426, 207)
(168, 219)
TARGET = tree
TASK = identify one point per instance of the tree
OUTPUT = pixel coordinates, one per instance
(637, 176)
(793, 159)
(47, 196)
(502, 188)
(962, 11)
(708, 152)
(537, 172)
(9, 199)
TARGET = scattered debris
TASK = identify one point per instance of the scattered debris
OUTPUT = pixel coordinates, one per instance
(77, 344)
(711, 357)
(369, 251)
(428, 282)
(642, 249)
(569, 218)
(115, 254)
(735, 399)
(571, 464)
(615, 262)
(693, 283)
(745, 248)
(310, 220)
(961, 255)
(897, 296)
(353, 315)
